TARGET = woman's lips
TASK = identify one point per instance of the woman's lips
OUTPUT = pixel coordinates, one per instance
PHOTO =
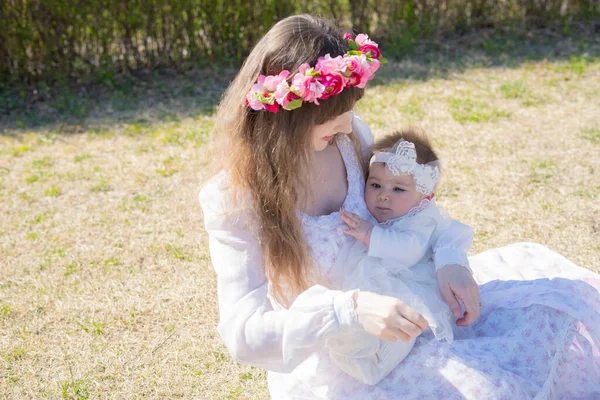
(328, 138)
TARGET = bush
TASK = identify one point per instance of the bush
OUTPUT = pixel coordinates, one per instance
(61, 39)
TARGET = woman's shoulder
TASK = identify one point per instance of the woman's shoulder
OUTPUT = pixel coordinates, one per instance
(217, 197)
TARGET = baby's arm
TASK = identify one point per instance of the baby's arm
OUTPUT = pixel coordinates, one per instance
(405, 243)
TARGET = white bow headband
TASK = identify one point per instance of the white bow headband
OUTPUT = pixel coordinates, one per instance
(402, 160)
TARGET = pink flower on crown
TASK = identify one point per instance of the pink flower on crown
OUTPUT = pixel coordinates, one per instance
(306, 86)
(369, 49)
(271, 82)
(348, 36)
(362, 39)
(368, 46)
(353, 80)
(327, 65)
(260, 99)
(367, 75)
(356, 67)
(333, 83)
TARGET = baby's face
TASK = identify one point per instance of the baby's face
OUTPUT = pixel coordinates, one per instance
(389, 196)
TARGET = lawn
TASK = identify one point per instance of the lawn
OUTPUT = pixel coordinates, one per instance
(106, 287)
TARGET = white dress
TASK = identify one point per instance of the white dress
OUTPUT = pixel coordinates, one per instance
(537, 337)
(399, 263)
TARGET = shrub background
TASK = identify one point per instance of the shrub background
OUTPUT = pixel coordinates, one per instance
(55, 40)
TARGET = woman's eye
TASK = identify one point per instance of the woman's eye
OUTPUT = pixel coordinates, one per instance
(397, 189)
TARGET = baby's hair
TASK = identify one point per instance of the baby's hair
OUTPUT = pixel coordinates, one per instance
(425, 152)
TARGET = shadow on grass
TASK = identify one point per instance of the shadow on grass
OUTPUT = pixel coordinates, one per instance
(150, 97)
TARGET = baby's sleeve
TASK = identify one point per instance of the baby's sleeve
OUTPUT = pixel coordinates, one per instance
(253, 331)
(452, 245)
(405, 242)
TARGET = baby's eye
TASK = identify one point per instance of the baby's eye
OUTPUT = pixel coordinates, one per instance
(397, 189)
(375, 185)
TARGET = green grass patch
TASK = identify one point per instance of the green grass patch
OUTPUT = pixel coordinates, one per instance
(413, 109)
(53, 191)
(176, 252)
(32, 236)
(141, 127)
(465, 110)
(70, 269)
(542, 170)
(82, 157)
(577, 65)
(169, 167)
(32, 178)
(589, 193)
(20, 150)
(76, 390)
(102, 187)
(41, 163)
(4, 310)
(514, 90)
(591, 134)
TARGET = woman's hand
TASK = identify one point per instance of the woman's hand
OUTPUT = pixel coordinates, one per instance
(387, 317)
(456, 282)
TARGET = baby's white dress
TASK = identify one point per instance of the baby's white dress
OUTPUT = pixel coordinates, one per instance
(537, 337)
(399, 263)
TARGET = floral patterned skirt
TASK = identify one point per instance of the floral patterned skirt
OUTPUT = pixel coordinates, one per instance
(536, 338)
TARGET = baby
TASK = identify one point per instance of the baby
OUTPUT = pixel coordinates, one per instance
(394, 256)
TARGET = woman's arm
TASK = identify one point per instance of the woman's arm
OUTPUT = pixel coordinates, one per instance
(453, 273)
(252, 330)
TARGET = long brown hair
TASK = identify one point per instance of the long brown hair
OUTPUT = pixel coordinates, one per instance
(267, 154)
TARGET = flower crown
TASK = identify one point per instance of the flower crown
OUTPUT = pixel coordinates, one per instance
(329, 77)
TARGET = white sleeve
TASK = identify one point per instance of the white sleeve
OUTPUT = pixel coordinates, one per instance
(255, 333)
(365, 136)
(405, 242)
(452, 246)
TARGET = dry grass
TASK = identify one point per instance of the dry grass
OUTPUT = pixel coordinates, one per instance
(106, 289)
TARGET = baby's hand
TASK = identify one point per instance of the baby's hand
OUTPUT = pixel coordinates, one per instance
(357, 228)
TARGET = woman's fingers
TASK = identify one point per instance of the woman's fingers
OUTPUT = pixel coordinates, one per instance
(392, 335)
(408, 327)
(450, 299)
(411, 315)
(470, 299)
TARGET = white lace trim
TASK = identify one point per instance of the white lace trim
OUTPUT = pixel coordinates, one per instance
(424, 204)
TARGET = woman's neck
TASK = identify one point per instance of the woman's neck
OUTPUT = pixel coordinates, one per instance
(327, 183)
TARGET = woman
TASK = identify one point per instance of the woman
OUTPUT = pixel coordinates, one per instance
(292, 158)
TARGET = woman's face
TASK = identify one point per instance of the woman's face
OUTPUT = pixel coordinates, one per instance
(324, 133)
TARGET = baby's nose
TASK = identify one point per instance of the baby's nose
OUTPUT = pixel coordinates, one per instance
(382, 197)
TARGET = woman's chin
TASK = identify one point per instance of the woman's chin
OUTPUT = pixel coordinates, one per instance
(320, 146)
